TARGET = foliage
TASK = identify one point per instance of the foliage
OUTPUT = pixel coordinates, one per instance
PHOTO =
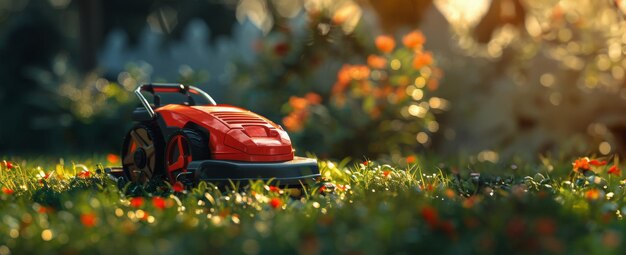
(341, 89)
(374, 208)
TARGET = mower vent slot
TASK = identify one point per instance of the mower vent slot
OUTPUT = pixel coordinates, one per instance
(238, 118)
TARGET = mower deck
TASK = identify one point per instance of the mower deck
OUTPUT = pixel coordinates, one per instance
(294, 173)
(289, 173)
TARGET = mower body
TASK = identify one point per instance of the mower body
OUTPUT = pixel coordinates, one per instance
(190, 142)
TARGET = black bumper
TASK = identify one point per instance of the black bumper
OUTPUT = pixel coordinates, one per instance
(295, 172)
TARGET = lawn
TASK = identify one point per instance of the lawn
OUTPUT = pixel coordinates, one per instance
(421, 206)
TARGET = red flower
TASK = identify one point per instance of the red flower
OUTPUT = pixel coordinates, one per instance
(136, 202)
(158, 202)
(9, 165)
(84, 174)
(281, 49)
(178, 187)
(88, 219)
(7, 191)
(322, 189)
(614, 170)
(430, 215)
(386, 173)
(43, 209)
(276, 202)
(385, 43)
(545, 226)
(595, 162)
(274, 189)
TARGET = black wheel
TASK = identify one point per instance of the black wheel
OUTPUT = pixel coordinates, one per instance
(142, 154)
(183, 147)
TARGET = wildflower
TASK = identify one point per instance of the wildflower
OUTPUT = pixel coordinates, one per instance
(386, 173)
(7, 191)
(385, 43)
(422, 59)
(323, 189)
(298, 103)
(273, 189)
(313, 98)
(113, 158)
(595, 162)
(414, 40)
(178, 187)
(293, 123)
(430, 215)
(281, 49)
(276, 202)
(84, 174)
(158, 202)
(592, 194)
(136, 202)
(88, 219)
(581, 164)
(366, 162)
(411, 159)
(376, 62)
(9, 165)
(545, 226)
(614, 170)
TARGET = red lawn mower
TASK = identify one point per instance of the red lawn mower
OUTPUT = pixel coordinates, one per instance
(191, 138)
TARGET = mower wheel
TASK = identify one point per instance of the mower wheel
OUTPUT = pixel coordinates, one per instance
(142, 154)
(182, 148)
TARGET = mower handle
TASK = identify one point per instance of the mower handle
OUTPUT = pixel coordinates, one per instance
(154, 88)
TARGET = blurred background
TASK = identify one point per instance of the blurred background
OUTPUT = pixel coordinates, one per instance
(488, 79)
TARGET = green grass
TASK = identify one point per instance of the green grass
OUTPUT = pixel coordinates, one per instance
(429, 208)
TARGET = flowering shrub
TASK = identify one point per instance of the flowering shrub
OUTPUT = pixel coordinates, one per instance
(381, 105)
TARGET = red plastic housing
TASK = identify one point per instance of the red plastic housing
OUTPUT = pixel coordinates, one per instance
(234, 133)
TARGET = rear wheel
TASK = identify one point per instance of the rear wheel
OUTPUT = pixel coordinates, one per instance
(182, 148)
(142, 154)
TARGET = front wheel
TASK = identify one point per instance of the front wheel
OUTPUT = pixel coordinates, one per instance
(182, 148)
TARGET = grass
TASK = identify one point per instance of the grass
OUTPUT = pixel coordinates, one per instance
(50, 207)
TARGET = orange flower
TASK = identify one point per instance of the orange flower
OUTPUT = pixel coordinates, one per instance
(7, 191)
(614, 170)
(422, 59)
(411, 159)
(158, 202)
(293, 123)
(276, 202)
(113, 158)
(581, 164)
(298, 103)
(592, 194)
(386, 173)
(385, 43)
(414, 40)
(376, 62)
(313, 98)
(88, 219)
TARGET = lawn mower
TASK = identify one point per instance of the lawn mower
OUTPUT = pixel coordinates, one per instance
(190, 138)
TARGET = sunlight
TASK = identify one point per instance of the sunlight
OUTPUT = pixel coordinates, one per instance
(459, 12)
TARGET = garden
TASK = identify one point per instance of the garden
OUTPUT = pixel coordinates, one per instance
(439, 127)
